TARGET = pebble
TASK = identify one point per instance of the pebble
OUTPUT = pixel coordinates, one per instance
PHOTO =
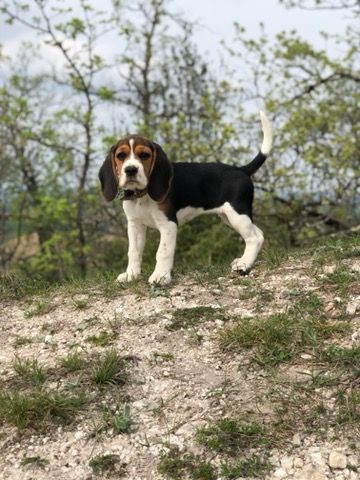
(337, 460)
(280, 473)
(310, 473)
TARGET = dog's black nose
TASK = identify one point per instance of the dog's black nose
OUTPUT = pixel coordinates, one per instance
(131, 171)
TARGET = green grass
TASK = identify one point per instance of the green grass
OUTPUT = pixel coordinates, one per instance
(73, 362)
(109, 368)
(103, 464)
(184, 318)
(175, 465)
(35, 461)
(103, 339)
(279, 337)
(36, 410)
(254, 467)
(21, 340)
(341, 279)
(232, 435)
(29, 371)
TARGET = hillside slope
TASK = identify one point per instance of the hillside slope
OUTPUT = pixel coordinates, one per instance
(215, 377)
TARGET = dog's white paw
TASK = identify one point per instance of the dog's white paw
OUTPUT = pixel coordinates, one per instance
(160, 278)
(126, 277)
(239, 266)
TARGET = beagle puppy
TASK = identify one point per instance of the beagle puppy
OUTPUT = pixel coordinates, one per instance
(159, 194)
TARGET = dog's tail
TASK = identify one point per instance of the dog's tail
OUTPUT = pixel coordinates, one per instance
(260, 158)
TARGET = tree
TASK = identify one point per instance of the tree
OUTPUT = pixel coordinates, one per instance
(313, 96)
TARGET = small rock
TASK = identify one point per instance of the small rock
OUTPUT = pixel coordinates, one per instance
(310, 473)
(280, 473)
(296, 440)
(329, 269)
(287, 463)
(298, 463)
(351, 307)
(337, 460)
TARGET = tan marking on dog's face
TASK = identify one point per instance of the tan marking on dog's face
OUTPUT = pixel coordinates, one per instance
(147, 157)
(135, 151)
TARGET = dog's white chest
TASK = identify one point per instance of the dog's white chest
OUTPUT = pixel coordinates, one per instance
(144, 211)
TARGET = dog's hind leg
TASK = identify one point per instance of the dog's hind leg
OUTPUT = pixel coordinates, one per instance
(252, 236)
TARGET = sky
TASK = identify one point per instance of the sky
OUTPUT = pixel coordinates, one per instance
(216, 18)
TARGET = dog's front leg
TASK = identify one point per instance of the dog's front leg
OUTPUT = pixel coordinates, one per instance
(165, 254)
(137, 235)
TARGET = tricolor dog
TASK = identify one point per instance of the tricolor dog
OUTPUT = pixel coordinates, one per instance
(159, 194)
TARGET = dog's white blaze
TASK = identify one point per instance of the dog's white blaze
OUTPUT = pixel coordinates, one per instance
(267, 132)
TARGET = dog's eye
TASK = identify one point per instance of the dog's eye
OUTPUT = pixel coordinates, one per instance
(121, 155)
(144, 155)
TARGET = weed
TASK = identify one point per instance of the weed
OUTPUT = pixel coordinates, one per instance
(80, 304)
(109, 368)
(35, 461)
(163, 357)
(174, 465)
(40, 308)
(103, 339)
(254, 466)
(37, 409)
(204, 471)
(232, 435)
(277, 338)
(340, 279)
(73, 362)
(348, 403)
(20, 340)
(189, 317)
(29, 371)
(120, 420)
(102, 464)
(274, 256)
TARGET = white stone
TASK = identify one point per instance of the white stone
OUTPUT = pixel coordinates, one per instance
(310, 473)
(280, 473)
(337, 460)
(296, 440)
(287, 463)
(351, 307)
(298, 463)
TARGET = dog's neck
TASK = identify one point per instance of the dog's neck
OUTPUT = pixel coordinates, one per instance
(133, 194)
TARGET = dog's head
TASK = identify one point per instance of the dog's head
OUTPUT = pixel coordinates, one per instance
(134, 164)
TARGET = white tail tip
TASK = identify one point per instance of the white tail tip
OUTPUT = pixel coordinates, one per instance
(267, 132)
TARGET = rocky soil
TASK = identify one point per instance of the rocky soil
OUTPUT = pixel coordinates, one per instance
(179, 379)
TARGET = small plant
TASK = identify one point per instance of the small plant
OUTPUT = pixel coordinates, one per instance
(348, 402)
(204, 471)
(102, 464)
(109, 368)
(29, 371)
(253, 466)
(80, 304)
(73, 362)
(20, 340)
(190, 317)
(40, 308)
(37, 409)
(36, 461)
(120, 420)
(232, 435)
(103, 339)
(175, 465)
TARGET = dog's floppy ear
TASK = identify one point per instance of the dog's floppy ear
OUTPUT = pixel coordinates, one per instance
(107, 177)
(161, 175)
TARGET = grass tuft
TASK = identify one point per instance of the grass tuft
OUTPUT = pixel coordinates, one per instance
(37, 409)
(29, 371)
(189, 317)
(232, 435)
(110, 368)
